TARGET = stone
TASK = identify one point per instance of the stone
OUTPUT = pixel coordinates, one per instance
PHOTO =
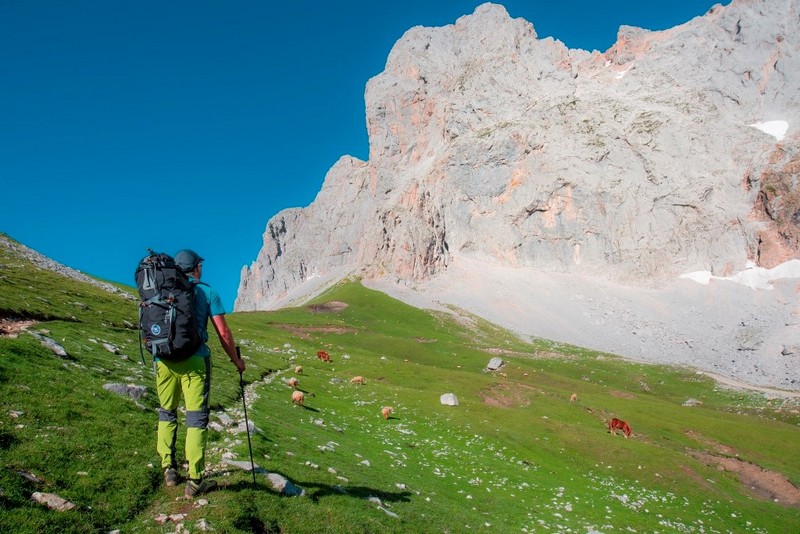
(283, 486)
(449, 399)
(495, 364)
(52, 501)
(244, 427)
(225, 419)
(126, 390)
(52, 345)
(240, 464)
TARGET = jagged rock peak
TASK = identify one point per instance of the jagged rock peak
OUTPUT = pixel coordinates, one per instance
(673, 151)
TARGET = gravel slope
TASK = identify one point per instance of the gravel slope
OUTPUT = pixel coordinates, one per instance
(722, 327)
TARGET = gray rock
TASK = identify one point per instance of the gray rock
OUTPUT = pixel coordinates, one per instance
(244, 427)
(283, 486)
(52, 345)
(690, 403)
(245, 466)
(126, 390)
(449, 399)
(495, 364)
(225, 419)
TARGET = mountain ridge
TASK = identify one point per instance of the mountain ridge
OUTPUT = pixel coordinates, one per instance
(489, 145)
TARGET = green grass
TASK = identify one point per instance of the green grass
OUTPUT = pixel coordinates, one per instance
(515, 456)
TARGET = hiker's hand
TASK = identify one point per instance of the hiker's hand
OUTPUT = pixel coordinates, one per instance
(239, 363)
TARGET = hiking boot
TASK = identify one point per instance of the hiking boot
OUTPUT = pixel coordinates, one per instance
(171, 476)
(199, 487)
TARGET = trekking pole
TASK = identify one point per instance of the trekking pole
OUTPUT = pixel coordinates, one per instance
(246, 422)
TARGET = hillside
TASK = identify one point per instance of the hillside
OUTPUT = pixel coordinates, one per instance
(515, 454)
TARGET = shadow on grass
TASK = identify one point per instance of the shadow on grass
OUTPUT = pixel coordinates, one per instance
(316, 491)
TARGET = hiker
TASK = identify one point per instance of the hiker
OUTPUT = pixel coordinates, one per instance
(192, 378)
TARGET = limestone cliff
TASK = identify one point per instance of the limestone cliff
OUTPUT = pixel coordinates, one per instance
(672, 151)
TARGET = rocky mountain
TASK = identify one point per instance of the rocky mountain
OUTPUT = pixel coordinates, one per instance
(673, 151)
(642, 162)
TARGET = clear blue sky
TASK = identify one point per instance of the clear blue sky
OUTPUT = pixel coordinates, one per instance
(171, 124)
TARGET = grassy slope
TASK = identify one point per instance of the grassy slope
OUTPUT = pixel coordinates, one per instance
(515, 455)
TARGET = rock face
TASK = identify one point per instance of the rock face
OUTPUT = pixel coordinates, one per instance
(673, 151)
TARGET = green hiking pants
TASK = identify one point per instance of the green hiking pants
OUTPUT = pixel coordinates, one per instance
(192, 378)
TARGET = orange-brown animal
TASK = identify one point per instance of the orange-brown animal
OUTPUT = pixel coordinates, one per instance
(293, 382)
(298, 370)
(298, 397)
(618, 424)
(357, 380)
(386, 411)
(324, 356)
(573, 397)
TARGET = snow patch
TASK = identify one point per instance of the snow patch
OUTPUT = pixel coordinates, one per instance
(753, 277)
(776, 129)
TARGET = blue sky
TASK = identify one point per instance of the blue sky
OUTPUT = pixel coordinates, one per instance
(176, 124)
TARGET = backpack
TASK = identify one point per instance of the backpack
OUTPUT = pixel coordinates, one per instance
(167, 322)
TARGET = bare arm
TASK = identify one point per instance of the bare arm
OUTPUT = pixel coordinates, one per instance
(226, 339)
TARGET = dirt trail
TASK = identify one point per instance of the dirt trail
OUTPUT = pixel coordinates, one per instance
(742, 385)
(760, 482)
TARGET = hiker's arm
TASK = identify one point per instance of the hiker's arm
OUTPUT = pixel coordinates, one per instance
(226, 339)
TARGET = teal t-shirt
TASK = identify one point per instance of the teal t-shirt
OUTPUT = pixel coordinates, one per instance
(206, 304)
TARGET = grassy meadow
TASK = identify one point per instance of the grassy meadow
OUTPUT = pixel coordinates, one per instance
(516, 455)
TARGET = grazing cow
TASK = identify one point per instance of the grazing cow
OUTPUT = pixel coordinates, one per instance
(293, 382)
(357, 380)
(298, 370)
(386, 411)
(298, 397)
(573, 397)
(618, 424)
(324, 356)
